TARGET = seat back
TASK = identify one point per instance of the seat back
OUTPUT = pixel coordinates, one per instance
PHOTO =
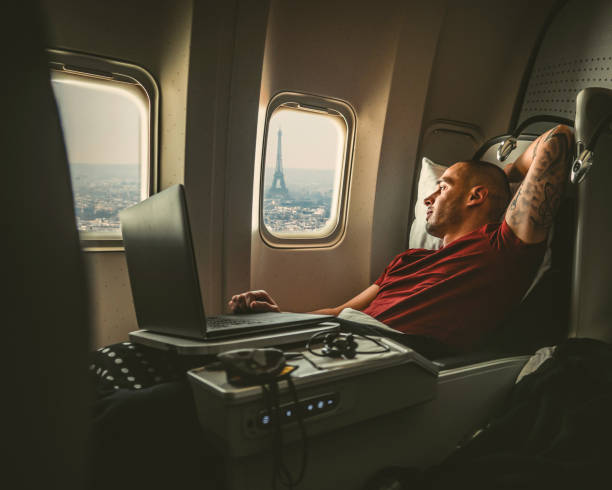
(576, 53)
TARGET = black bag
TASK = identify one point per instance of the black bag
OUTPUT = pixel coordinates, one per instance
(554, 432)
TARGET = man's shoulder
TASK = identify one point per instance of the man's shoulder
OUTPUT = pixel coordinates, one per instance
(491, 229)
(502, 237)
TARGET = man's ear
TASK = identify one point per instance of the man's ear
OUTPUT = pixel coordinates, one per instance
(477, 195)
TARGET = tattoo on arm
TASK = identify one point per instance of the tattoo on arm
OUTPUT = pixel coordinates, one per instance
(517, 213)
(548, 207)
(535, 148)
(516, 198)
(539, 195)
(556, 153)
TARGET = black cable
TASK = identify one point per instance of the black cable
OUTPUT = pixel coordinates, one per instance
(281, 469)
(385, 347)
(271, 395)
(302, 431)
(268, 403)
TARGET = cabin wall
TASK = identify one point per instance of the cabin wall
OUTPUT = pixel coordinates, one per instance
(403, 66)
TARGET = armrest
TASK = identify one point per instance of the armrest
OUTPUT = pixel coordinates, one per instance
(467, 359)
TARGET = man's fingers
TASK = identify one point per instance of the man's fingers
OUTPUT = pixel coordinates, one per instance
(263, 306)
(238, 303)
(265, 296)
(249, 298)
(235, 306)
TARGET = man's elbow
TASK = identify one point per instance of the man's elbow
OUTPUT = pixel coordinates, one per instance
(568, 131)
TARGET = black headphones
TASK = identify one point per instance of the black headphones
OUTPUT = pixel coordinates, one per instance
(339, 345)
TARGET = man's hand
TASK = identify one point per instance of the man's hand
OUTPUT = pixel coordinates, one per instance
(253, 302)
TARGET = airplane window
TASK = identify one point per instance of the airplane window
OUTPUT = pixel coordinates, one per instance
(304, 173)
(106, 125)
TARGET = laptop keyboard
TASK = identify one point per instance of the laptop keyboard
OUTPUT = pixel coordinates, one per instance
(216, 323)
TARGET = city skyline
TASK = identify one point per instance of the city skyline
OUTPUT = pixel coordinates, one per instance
(101, 191)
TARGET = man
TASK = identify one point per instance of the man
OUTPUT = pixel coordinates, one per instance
(457, 294)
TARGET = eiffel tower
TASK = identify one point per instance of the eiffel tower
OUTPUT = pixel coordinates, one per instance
(278, 188)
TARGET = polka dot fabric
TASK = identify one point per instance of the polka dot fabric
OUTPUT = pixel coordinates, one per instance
(133, 367)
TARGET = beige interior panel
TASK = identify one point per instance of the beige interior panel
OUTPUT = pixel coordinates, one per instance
(223, 98)
(447, 142)
(416, 54)
(309, 51)
(482, 54)
(111, 307)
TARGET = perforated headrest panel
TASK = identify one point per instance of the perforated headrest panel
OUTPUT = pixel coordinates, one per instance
(576, 53)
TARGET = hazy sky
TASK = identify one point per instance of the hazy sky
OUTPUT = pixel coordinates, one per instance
(101, 120)
(310, 139)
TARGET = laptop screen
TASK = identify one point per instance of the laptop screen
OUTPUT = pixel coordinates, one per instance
(161, 265)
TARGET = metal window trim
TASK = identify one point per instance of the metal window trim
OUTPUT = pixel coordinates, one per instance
(310, 102)
(119, 71)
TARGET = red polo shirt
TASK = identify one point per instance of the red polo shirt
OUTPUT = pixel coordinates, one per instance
(461, 292)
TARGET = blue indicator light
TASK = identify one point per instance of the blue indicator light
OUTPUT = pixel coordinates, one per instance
(265, 419)
(310, 407)
(330, 402)
(288, 413)
(320, 404)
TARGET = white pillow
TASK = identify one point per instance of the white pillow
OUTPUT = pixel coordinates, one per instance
(419, 238)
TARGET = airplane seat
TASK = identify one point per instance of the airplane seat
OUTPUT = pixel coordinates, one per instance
(565, 62)
(572, 299)
(542, 318)
(47, 336)
(575, 53)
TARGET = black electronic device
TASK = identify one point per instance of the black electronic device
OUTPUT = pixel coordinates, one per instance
(164, 277)
(247, 367)
(265, 367)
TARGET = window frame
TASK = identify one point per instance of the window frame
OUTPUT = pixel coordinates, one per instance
(323, 105)
(81, 64)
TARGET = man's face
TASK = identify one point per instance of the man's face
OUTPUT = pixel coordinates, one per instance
(444, 206)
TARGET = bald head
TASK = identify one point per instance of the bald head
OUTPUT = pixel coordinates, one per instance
(476, 172)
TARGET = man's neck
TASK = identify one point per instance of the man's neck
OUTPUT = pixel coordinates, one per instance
(463, 230)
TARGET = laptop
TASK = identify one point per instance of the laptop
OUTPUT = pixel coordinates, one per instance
(164, 277)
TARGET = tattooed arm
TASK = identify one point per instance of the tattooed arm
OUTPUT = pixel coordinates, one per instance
(545, 167)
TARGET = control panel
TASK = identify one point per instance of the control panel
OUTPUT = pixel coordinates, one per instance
(307, 408)
(332, 393)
